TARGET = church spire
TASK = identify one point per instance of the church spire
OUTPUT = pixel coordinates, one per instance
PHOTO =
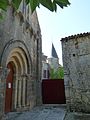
(54, 53)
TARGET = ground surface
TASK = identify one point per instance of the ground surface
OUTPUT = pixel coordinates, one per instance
(77, 116)
(39, 113)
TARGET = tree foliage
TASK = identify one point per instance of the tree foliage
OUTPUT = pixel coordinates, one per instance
(57, 74)
(49, 4)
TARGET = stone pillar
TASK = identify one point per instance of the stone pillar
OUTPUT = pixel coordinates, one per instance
(19, 94)
(16, 87)
(39, 71)
(23, 90)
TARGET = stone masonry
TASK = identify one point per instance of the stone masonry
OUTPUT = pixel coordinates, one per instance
(3, 75)
(21, 47)
(76, 61)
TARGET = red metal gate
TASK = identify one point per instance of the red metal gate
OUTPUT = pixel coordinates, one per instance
(9, 88)
(53, 91)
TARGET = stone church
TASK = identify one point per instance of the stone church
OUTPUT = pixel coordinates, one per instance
(20, 52)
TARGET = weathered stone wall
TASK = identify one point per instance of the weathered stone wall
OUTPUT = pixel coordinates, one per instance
(76, 61)
(3, 75)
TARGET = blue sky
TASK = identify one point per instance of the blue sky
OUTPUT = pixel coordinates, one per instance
(68, 21)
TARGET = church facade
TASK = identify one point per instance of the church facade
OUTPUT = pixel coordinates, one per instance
(20, 52)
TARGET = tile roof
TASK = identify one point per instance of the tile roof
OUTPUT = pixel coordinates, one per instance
(76, 36)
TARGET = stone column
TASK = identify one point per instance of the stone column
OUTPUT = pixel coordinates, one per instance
(23, 89)
(16, 87)
(19, 95)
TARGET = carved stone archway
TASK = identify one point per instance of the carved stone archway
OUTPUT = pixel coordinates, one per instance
(20, 66)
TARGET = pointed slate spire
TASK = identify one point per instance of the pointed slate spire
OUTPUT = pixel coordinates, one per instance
(54, 53)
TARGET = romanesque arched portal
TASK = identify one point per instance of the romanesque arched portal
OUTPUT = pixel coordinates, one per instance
(17, 58)
(18, 61)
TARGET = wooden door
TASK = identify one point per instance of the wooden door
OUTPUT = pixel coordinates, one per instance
(9, 89)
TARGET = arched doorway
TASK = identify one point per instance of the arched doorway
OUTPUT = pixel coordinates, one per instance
(9, 88)
(16, 85)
